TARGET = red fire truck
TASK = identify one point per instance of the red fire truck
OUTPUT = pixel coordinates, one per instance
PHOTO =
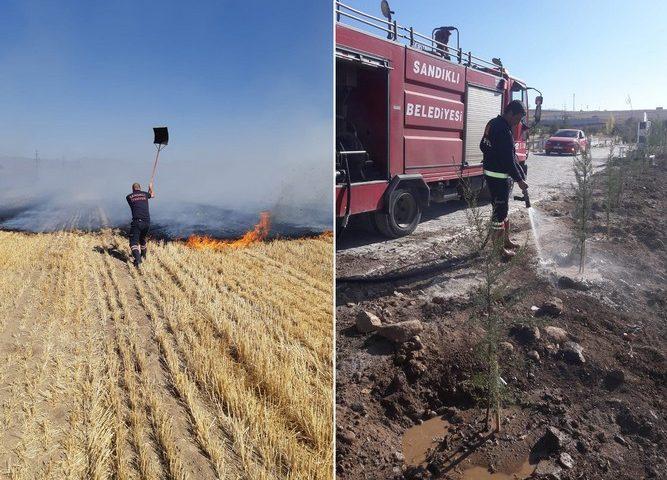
(410, 114)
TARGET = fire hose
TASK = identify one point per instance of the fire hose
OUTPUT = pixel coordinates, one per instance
(348, 187)
(423, 269)
(426, 268)
(348, 184)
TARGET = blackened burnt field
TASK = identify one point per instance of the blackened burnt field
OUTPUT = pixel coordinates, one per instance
(169, 221)
(584, 359)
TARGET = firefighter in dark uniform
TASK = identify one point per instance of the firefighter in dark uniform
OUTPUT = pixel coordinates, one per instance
(141, 221)
(501, 169)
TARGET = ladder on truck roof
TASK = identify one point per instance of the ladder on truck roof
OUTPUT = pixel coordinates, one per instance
(409, 36)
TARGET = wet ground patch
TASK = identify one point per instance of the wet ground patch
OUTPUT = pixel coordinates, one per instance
(594, 372)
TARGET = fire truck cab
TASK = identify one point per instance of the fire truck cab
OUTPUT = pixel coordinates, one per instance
(410, 114)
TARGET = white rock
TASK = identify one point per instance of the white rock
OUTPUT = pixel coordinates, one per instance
(367, 322)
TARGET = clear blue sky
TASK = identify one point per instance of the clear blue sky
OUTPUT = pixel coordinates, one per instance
(82, 78)
(600, 50)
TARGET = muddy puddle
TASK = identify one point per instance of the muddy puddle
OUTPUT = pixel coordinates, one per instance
(418, 440)
(476, 472)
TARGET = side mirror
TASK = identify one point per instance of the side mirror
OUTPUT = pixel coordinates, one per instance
(538, 108)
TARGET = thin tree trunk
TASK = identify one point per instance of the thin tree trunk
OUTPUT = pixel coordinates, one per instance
(489, 393)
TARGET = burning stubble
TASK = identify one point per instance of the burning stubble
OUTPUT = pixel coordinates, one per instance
(259, 233)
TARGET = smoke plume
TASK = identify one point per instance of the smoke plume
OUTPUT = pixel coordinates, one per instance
(218, 190)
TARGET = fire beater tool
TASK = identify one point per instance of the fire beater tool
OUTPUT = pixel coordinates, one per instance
(160, 139)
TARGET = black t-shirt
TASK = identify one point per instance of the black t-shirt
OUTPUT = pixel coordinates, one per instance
(138, 202)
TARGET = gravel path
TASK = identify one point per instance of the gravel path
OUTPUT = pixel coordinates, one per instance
(360, 252)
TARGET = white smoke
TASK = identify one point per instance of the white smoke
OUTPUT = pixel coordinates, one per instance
(219, 189)
(240, 142)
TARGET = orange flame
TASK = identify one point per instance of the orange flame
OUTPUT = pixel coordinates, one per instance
(257, 234)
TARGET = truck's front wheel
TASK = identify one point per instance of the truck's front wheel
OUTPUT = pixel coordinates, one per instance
(402, 216)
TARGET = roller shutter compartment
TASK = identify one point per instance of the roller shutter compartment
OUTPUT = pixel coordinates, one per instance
(481, 106)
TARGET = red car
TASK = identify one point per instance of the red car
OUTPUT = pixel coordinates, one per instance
(566, 141)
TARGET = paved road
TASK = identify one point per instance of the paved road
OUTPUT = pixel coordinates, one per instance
(360, 252)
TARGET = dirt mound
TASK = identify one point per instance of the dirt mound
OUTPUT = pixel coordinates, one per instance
(607, 408)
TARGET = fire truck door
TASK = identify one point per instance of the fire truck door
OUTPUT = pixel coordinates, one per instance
(362, 114)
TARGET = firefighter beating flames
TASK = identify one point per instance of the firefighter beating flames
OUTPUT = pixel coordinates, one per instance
(138, 202)
(140, 226)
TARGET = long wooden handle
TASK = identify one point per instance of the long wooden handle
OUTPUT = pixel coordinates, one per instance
(157, 155)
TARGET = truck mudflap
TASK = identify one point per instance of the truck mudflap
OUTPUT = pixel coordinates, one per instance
(413, 181)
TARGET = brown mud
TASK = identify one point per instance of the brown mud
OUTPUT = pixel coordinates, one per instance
(420, 439)
(608, 409)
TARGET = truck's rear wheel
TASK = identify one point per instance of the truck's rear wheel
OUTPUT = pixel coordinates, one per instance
(402, 216)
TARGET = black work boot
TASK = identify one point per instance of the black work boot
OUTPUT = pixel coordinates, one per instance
(137, 258)
(143, 253)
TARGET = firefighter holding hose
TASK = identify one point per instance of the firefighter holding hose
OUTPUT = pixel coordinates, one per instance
(501, 169)
(141, 221)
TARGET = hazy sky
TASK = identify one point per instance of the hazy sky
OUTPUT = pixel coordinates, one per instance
(600, 50)
(82, 78)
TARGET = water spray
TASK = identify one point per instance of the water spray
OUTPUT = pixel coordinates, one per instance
(532, 214)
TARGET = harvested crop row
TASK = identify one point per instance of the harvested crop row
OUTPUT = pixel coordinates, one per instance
(270, 372)
(227, 368)
(288, 316)
(203, 365)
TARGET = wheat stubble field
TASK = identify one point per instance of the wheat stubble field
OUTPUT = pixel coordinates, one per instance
(206, 364)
